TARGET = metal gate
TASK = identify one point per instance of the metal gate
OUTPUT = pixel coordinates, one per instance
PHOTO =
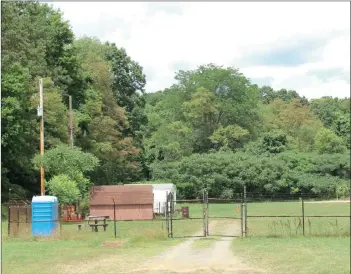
(225, 217)
(206, 217)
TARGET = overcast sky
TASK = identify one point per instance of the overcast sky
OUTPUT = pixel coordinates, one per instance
(293, 45)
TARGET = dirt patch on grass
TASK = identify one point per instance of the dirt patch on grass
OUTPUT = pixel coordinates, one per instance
(118, 244)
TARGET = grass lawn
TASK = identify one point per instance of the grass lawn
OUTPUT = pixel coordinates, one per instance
(282, 226)
(281, 253)
(295, 255)
(293, 226)
(137, 241)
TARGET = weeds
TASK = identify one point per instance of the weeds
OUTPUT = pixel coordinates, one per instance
(288, 228)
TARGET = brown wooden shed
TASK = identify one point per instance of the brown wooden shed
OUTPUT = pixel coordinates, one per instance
(133, 202)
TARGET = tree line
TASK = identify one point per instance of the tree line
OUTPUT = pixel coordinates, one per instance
(212, 129)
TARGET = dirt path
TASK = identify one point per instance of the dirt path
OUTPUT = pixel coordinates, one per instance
(184, 258)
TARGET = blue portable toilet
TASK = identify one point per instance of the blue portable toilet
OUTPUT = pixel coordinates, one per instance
(45, 216)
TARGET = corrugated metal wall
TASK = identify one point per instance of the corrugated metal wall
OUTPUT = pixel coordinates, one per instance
(124, 212)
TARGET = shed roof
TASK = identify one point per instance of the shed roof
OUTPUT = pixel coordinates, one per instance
(163, 186)
(122, 195)
(158, 186)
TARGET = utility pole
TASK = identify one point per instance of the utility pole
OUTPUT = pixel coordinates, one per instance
(41, 115)
(70, 120)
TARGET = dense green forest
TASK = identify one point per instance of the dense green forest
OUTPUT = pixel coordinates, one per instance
(212, 129)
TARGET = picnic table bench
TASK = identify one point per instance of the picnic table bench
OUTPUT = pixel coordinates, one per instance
(95, 221)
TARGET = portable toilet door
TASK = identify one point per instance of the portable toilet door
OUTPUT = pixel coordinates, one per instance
(44, 215)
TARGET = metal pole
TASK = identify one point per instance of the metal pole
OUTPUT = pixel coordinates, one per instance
(114, 217)
(60, 219)
(171, 215)
(245, 213)
(70, 120)
(9, 214)
(18, 219)
(167, 214)
(303, 216)
(241, 216)
(204, 213)
(207, 214)
(41, 114)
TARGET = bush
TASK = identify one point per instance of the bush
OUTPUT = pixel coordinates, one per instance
(64, 189)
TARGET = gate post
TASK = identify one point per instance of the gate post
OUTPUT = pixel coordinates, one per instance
(166, 214)
(207, 214)
(171, 213)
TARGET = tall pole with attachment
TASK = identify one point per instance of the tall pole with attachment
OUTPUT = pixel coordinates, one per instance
(41, 115)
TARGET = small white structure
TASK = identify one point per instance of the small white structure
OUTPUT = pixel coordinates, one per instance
(160, 192)
(160, 196)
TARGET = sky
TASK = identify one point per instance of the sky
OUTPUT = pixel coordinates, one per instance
(293, 45)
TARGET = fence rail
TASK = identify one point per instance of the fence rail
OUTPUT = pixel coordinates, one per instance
(259, 214)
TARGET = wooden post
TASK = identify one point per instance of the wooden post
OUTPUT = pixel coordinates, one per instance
(41, 115)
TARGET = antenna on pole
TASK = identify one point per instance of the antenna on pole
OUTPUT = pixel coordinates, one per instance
(41, 115)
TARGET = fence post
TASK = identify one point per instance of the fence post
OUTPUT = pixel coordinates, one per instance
(9, 219)
(207, 215)
(114, 218)
(61, 219)
(204, 213)
(171, 213)
(18, 219)
(241, 216)
(166, 215)
(245, 213)
(9, 214)
(303, 216)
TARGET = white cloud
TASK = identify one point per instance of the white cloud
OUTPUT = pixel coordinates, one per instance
(160, 35)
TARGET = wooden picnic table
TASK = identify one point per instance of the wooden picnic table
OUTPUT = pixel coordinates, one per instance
(95, 221)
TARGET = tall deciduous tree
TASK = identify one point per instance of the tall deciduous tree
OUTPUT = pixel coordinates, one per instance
(35, 43)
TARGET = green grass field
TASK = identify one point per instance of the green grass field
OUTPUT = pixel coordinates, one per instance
(24, 254)
(138, 240)
(295, 255)
(282, 226)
